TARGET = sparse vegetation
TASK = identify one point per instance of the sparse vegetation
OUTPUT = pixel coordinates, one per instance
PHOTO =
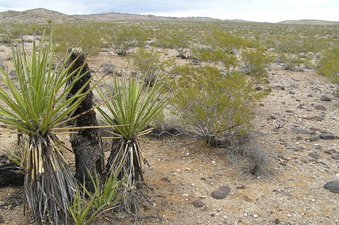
(212, 104)
(210, 68)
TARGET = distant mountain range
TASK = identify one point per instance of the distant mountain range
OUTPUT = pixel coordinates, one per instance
(41, 15)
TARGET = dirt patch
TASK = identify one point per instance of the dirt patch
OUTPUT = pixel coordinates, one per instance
(291, 191)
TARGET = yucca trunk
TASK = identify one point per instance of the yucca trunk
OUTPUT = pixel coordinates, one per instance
(126, 157)
(86, 143)
(49, 183)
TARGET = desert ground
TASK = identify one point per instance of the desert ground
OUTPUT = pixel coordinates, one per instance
(295, 133)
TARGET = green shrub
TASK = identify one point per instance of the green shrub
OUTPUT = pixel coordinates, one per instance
(87, 36)
(329, 65)
(178, 40)
(255, 62)
(148, 65)
(122, 39)
(212, 104)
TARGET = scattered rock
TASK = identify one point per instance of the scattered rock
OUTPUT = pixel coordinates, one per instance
(259, 88)
(300, 130)
(330, 152)
(291, 92)
(310, 96)
(335, 157)
(221, 193)
(165, 179)
(273, 117)
(320, 107)
(12, 74)
(332, 186)
(276, 221)
(328, 136)
(279, 87)
(315, 118)
(10, 174)
(314, 155)
(314, 138)
(107, 68)
(28, 38)
(325, 98)
(198, 203)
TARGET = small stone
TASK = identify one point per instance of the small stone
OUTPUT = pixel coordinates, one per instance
(314, 138)
(198, 203)
(291, 92)
(335, 157)
(332, 186)
(217, 194)
(225, 189)
(273, 117)
(12, 74)
(314, 155)
(279, 87)
(107, 68)
(258, 88)
(221, 193)
(327, 136)
(310, 96)
(315, 118)
(300, 130)
(325, 98)
(320, 107)
(276, 221)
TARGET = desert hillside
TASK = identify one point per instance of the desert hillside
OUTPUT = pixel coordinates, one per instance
(41, 15)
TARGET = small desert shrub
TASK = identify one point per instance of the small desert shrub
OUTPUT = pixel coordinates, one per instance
(250, 154)
(212, 104)
(255, 63)
(122, 39)
(87, 36)
(178, 40)
(147, 65)
(293, 62)
(329, 65)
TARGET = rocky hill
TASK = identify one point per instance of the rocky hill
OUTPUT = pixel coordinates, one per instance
(313, 22)
(111, 17)
(39, 15)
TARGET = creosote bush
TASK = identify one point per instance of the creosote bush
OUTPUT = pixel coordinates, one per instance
(329, 65)
(212, 104)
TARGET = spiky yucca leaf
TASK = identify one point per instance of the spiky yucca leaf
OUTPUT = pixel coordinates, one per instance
(131, 108)
(34, 104)
(132, 105)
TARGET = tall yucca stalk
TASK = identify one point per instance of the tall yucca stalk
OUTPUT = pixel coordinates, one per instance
(33, 104)
(131, 108)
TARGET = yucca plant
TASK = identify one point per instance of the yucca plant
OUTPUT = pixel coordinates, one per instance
(34, 104)
(131, 108)
(105, 197)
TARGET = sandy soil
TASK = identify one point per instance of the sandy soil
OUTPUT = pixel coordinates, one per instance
(290, 189)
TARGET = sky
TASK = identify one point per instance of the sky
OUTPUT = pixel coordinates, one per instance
(253, 10)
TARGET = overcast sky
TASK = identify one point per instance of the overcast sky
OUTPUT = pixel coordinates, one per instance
(254, 10)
